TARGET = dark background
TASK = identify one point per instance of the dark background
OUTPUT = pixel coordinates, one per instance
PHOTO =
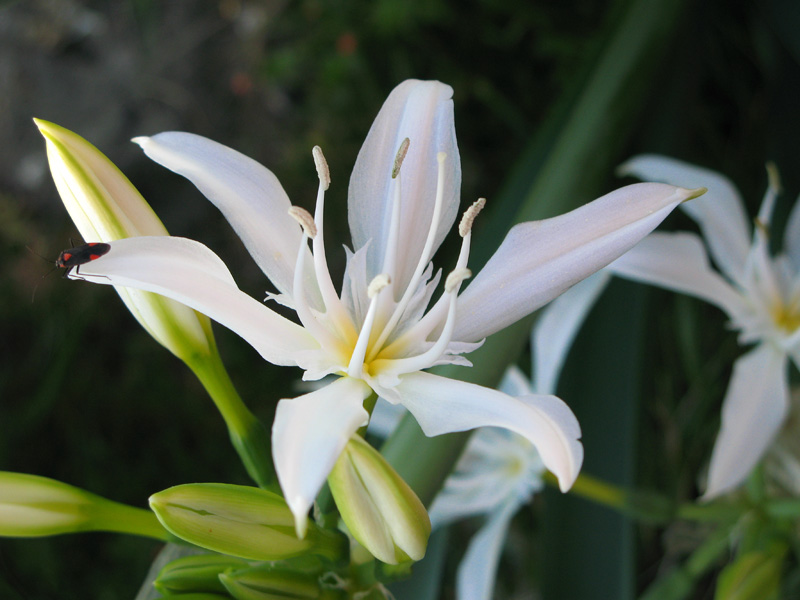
(88, 398)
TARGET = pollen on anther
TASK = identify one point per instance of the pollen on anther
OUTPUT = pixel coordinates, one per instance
(455, 278)
(377, 284)
(323, 172)
(398, 159)
(302, 216)
(465, 226)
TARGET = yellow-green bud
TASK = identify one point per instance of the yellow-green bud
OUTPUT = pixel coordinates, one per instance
(239, 520)
(105, 206)
(33, 506)
(264, 583)
(380, 510)
(198, 573)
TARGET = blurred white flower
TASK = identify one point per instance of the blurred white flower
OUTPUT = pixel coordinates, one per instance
(759, 292)
(499, 471)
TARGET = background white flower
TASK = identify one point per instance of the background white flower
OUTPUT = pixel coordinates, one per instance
(759, 292)
(499, 471)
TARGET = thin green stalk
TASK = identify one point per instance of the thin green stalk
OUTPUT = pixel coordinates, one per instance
(248, 434)
(107, 515)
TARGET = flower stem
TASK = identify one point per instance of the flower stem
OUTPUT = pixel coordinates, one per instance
(248, 434)
(107, 515)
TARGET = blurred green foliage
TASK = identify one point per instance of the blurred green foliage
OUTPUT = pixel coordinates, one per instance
(88, 398)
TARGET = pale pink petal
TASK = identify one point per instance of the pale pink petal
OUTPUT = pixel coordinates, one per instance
(190, 273)
(540, 260)
(423, 112)
(753, 410)
(720, 211)
(308, 435)
(441, 405)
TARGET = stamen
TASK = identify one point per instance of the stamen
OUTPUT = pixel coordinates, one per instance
(356, 366)
(455, 278)
(377, 284)
(323, 172)
(339, 317)
(465, 226)
(302, 216)
(307, 318)
(421, 264)
(390, 255)
(430, 356)
(401, 154)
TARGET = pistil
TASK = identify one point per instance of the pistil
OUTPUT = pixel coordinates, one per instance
(356, 366)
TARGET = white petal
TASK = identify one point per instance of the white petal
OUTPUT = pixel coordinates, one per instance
(792, 236)
(190, 273)
(308, 434)
(720, 212)
(539, 260)
(443, 405)
(678, 261)
(515, 383)
(487, 475)
(478, 569)
(557, 327)
(423, 112)
(248, 194)
(754, 408)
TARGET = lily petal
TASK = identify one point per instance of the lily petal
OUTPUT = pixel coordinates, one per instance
(478, 569)
(792, 236)
(248, 194)
(557, 327)
(442, 405)
(421, 111)
(754, 408)
(190, 273)
(720, 213)
(541, 259)
(678, 261)
(308, 435)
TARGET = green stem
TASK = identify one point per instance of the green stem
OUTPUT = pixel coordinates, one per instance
(652, 507)
(107, 515)
(248, 434)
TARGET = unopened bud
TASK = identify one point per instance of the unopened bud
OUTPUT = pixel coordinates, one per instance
(380, 510)
(242, 521)
(196, 574)
(268, 583)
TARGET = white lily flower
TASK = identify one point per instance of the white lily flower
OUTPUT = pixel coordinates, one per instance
(760, 293)
(376, 334)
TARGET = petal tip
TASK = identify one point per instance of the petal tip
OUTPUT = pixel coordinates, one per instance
(692, 194)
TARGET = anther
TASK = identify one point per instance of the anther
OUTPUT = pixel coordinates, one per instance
(302, 216)
(455, 278)
(465, 226)
(398, 160)
(773, 177)
(323, 172)
(377, 284)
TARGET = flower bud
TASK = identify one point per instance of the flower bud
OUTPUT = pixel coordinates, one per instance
(198, 573)
(266, 583)
(33, 506)
(241, 521)
(105, 206)
(380, 510)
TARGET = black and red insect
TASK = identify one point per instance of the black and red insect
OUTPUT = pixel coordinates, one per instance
(73, 258)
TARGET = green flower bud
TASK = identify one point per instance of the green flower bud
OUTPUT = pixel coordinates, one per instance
(32, 506)
(381, 511)
(241, 521)
(265, 583)
(198, 573)
(105, 206)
